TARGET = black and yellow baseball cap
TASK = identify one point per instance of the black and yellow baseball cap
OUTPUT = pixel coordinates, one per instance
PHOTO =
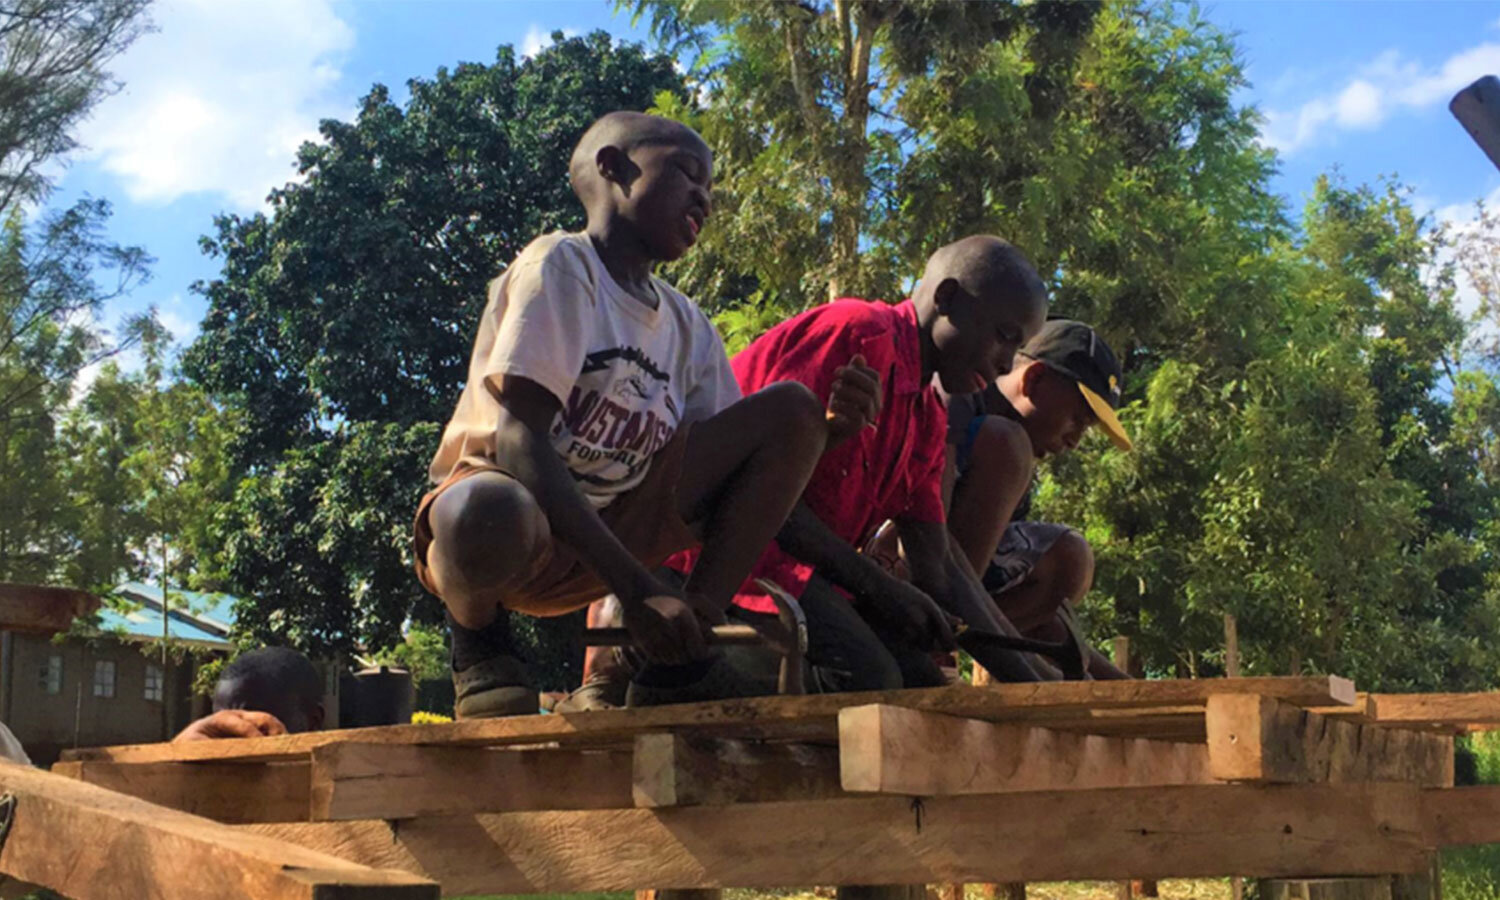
(1072, 348)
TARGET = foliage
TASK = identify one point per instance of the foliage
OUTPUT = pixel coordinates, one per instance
(1471, 873)
(424, 653)
(50, 296)
(52, 54)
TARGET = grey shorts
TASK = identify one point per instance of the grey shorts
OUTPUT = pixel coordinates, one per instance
(1021, 548)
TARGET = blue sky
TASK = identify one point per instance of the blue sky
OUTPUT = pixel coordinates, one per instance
(216, 101)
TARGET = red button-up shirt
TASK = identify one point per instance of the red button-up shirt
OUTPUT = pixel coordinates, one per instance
(892, 470)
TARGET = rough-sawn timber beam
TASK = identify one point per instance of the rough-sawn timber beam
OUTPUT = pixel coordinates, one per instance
(783, 717)
(1450, 710)
(1260, 739)
(890, 750)
(684, 770)
(395, 781)
(225, 792)
(1465, 815)
(89, 843)
(42, 609)
(1157, 832)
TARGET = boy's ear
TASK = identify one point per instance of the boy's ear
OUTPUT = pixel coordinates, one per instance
(945, 294)
(1029, 377)
(615, 165)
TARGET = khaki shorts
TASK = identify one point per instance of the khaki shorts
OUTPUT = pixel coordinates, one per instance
(645, 519)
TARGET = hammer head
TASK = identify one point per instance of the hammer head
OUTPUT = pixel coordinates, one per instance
(789, 612)
(792, 643)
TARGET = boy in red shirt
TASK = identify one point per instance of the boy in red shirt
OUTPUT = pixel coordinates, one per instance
(978, 302)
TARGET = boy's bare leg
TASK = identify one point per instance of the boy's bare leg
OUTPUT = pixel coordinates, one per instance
(486, 531)
(606, 673)
(743, 471)
(1064, 573)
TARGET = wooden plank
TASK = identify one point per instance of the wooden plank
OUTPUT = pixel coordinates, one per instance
(225, 792)
(1260, 739)
(785, 717)
(684, 770)
(1156, 832)
(890, 750)
(1459, 816)
(41, 609)
(394, 781)
(1446, 710)
(94, 844)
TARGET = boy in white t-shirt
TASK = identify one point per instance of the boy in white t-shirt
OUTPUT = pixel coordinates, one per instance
(602, 429)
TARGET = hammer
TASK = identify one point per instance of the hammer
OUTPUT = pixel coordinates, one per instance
(1069, 655)
(788, 637)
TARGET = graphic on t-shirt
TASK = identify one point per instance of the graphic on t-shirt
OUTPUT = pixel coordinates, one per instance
(612, 414)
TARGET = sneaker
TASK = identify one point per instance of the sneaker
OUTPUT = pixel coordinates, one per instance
(494, 687)
(729, 674)
(604, 691)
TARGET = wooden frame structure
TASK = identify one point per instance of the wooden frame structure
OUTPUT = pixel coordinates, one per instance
(1264, 777)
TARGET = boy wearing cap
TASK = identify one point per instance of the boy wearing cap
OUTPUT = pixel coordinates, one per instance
(1065, 380)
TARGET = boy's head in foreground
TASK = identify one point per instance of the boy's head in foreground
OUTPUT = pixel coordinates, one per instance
(1065, 380)
(645, 179)
(978, 302)
(274, 680)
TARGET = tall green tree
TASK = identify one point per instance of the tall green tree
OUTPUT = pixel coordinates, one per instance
(50, 296)
(52, 59)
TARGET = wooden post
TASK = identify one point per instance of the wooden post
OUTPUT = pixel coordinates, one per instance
(1231, 646)
(1125, 890)
(1232, 670)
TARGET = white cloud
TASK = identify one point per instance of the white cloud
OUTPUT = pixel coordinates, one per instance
(1388, 85)
(174, 317)
(220, 97)
(1462, 219)
(538, 39)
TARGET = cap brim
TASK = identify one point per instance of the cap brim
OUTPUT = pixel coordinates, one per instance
(1107, 418)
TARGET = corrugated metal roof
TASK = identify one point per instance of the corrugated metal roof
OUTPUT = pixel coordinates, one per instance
(197, 617)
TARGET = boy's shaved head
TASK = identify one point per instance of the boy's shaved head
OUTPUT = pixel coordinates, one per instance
(985, 267)
(625, 131)
(979, 300)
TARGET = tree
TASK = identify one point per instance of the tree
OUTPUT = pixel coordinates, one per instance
(52, 58)
(341, 323)
(49, 299)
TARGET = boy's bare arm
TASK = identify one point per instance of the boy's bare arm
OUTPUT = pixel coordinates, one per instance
(661, 621)
(981, 504)
(939, 569)
(805, 537)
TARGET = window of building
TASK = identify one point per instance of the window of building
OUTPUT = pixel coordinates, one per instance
(153, 682)
(51, 675)
(104, 678)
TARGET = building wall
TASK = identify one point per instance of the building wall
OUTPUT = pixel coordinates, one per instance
(48, 723)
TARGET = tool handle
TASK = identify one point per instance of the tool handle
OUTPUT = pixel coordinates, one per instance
(719, 634)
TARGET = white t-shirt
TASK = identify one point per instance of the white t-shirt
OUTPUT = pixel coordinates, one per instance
(10, 748)
(626, 375)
